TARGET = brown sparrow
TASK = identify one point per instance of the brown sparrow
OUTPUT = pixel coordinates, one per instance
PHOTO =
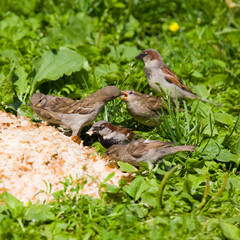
(161, 78)
(109, 134)
(75, 115)
(143, 150)
(50, 102)
(143, 108)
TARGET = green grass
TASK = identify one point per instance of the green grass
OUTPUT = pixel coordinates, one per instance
(73, 48)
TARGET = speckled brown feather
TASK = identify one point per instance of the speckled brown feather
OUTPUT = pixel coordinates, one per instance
(50, 102)
(109, 134)
(144, 150)
(77, 114)
(171, 77)
(84, 106)
(154, 103)
(126, 131)
(141, 148)
(161, 78)
(144, 108)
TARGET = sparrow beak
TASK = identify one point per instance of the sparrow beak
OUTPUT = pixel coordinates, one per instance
(90, 132)
(123, 96)
(141, 55)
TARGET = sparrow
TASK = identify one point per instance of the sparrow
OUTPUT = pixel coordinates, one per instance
(161, 78)
(144, 150)
(143, 108)
(109, 134)
(73, 114)
(50, 102)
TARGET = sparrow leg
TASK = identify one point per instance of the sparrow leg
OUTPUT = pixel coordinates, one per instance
(76, 139)
(76, 133)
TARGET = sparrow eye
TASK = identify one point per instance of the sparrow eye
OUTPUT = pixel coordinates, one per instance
(131, 92)
(101, 128)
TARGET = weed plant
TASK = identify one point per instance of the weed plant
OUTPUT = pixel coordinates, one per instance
(74, 48)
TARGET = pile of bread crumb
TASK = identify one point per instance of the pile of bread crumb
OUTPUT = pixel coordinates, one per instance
(34, 155)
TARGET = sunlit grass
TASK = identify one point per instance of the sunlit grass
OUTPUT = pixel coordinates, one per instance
(199, 41)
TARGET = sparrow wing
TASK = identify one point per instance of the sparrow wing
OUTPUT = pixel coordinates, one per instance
(84, 106)
(66, 106)
(127, 132)
(171, 77)
(154, 104)
(137, 149)
(141, 147)
(50, 102)
(47, 115)
(59, 104)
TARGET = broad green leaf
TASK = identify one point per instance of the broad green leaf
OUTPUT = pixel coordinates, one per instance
(131, 26)
(228, 30)
(20, 6)
(105, 69)
(7, 92)
(14, 205)
(197, 74)
(210, 131)
(197, 181)
(233, 183)
(201, 108)
(209, 126)
(89, 51)
(64, 236)
(224, 118)
(2, 208)
(126, 167)
(39, 213)
(230, 231)
(233, 220)
(88, 235)
(218, 79)
(13, 27)
(219, 63)
(118, 4)
(79, 27)
(21, 85)
(139, 210)
(226, 156)
(136, 187)
(12, 55)
(200, 90)
(210, 149)
(161, 220)
(150, 196)
(128, 53)
(150, 199)
(112, 188)
(52, 66)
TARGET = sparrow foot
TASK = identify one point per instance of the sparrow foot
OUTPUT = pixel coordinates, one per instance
(76, 139)
(112, 165)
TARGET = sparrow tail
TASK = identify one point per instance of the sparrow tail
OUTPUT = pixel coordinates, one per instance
(183, 148)
(194, 96)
